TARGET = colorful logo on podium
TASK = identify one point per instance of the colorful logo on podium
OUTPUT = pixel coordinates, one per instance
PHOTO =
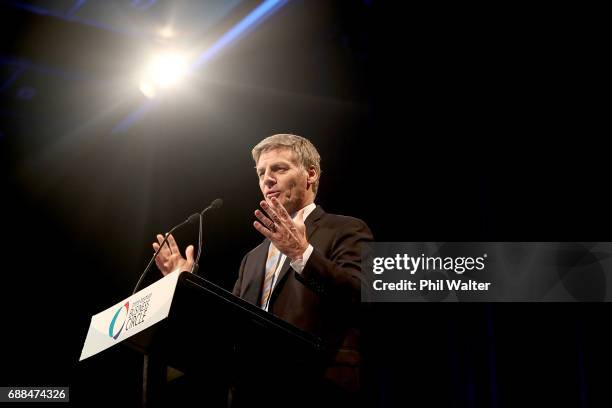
(112, 332)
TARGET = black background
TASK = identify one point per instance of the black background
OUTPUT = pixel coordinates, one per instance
(437, 123)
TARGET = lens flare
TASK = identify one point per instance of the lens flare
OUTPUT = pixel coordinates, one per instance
(164, 71)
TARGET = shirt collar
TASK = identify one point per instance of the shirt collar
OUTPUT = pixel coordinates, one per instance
(307, 210)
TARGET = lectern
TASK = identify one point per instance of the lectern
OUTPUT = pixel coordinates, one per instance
(190, 325)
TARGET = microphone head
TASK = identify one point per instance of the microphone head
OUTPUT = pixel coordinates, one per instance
(193, 218)
(217, 203)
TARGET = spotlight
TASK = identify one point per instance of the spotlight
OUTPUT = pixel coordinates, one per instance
(164, 71)
(167, 32)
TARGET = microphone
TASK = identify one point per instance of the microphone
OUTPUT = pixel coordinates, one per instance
(190, 220)
(216, 203)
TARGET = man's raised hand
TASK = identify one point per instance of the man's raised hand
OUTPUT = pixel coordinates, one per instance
(287, 235)
(170, 259)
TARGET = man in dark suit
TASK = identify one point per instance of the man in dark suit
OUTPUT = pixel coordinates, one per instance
(307, 271)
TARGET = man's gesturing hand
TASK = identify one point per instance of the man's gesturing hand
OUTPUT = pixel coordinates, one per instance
(170, 259)
(287, 235)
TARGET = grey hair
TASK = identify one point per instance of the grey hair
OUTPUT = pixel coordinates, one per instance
(305, 152)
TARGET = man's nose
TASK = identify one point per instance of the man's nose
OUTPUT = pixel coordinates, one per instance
(268, 179)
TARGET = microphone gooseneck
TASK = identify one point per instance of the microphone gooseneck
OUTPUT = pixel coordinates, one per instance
(216, 203)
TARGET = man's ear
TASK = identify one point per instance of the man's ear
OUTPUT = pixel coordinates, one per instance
(312, 175)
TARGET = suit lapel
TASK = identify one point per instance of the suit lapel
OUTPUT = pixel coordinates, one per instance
(256, 275)
(311, 223)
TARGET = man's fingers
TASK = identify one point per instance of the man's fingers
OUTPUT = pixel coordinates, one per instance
(265, 220)
(189, 253)
(173, 247)
(280, 209)
(160, 238)
(264, 231)
(165, 251)
(270, 211)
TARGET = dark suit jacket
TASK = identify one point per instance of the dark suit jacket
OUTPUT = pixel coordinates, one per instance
(325, 298)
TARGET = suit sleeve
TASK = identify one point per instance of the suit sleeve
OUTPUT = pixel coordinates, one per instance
(339, 274)
(238, 284)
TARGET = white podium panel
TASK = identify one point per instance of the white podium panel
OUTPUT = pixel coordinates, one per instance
(130, 316)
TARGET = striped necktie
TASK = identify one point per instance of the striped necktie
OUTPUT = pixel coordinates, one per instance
(274, 256)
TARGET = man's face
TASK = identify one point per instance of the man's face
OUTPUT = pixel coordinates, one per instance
(281, 177)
